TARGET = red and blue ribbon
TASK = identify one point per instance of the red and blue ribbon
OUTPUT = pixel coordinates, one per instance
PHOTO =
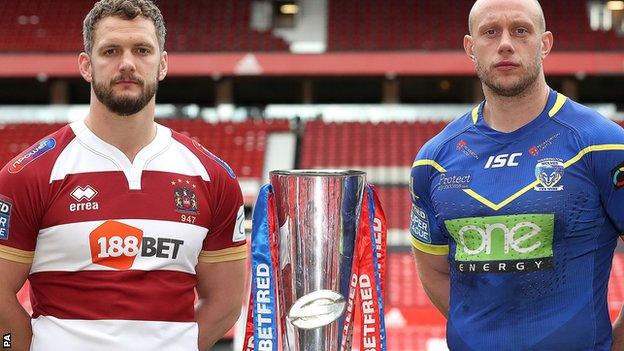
(262, 327)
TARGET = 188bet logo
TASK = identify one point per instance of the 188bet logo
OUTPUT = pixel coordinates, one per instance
(116, 245)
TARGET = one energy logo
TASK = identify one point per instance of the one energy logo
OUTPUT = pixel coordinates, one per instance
(32, 154)
(116, 245)
(503, 243)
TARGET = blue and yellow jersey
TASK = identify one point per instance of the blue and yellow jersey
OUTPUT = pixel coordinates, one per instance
(529, 221)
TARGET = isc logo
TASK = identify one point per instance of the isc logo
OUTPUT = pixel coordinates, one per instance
(116, 245)
(502, 160)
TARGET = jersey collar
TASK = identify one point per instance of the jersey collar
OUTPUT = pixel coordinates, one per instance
(554, 103)
(132, 170)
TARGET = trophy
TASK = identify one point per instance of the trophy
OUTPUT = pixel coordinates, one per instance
(318, 238)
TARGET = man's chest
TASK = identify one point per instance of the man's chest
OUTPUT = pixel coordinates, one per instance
(516, 205)
(485, 177)
(93, 221)
(102, 196)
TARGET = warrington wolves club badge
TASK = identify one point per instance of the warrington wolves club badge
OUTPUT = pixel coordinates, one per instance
(549, 172)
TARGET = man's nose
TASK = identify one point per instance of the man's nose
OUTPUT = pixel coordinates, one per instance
(505, 45)
(127, 63)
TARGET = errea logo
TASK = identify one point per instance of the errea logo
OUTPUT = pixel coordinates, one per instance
(81, 193)
(83, 196)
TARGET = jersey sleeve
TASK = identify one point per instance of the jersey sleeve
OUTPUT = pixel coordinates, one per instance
(607, 162)
(20, 207)
(226, 240)
(426, 233)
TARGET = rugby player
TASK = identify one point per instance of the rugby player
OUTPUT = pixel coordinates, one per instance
(115, 219)
(517, 205)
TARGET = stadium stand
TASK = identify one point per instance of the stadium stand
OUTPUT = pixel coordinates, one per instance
(16, 137)
(383, 144)
(23, 18)
(416, 25)
(241, 144)
(215, 26)
(191, 25)
(223, 26)
(396, 202)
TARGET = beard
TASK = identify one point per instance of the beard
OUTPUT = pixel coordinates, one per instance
(532, 72)
(121, 104)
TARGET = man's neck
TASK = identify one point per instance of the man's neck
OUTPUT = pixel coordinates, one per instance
(506, 114)
(129, 134)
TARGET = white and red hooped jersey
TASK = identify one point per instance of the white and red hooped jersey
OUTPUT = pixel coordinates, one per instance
(114, 244)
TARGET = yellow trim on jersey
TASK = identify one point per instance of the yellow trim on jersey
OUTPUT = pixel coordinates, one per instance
(561, 99)
(604, 147)
(429, 248)
(570, 162)
(16, 255)
(475, 114)
(229, 254)
(432, 163)
(505, 202)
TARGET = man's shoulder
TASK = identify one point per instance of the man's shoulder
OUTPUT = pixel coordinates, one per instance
(214, 165)
(589, 125)
(38, 159)
(431, 148)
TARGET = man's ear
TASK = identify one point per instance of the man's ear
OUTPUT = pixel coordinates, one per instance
(469, 47)
(547, 43)
(84, 65)
(164, 66)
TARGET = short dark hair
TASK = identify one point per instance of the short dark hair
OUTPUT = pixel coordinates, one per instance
(125, 9)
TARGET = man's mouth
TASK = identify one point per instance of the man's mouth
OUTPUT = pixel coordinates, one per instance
(506, 65)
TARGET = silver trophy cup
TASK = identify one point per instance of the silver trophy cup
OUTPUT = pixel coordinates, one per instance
(318, 213)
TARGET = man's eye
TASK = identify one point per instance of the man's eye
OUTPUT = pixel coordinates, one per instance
(490, 32)
(522, 31)
(110, 51)
(143, 51)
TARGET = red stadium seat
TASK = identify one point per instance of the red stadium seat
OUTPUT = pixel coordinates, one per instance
(364, 143)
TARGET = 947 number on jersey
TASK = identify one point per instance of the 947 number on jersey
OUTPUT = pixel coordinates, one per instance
(188, 219)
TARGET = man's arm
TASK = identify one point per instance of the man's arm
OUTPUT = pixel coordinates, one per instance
(221, 287)
(433, 271)
(13, 318)
(618, 333)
